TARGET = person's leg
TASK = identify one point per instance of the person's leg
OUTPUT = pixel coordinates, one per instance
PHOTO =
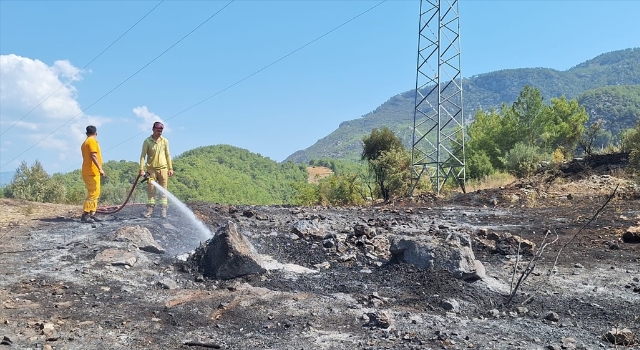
(163, 179)
(151, 193)
(96, 193)
(91, 201)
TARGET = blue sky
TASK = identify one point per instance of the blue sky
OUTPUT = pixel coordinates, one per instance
(278, 75)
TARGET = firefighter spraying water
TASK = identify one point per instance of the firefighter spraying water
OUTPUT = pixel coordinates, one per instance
(155, 158)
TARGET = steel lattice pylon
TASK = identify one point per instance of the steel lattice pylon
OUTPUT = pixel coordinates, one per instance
(438, 119)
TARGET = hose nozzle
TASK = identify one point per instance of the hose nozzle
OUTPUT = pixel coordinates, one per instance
(146, 177)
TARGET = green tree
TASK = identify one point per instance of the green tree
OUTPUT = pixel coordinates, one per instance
(479, 165)
(380, 140)
(563, 125)
(538, 130)
(528, 111)
(375, 146)
(75, 188)
(34, 184)
(397, 164)
(488, 137)
(593, 136)
(631, 144)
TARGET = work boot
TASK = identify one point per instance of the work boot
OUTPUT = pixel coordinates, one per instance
(94, 218)
(164, 212)
(149, 212)
(86, 218)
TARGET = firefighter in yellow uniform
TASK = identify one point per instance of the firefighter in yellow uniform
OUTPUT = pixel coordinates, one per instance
(91, 173)
(156, 158)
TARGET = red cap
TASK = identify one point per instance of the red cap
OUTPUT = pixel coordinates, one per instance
(158, 125)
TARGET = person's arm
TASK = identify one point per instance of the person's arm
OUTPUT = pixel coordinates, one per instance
(143, 155)
(94, 158)
(167, 154)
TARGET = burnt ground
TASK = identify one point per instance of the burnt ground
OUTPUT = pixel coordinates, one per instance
(57, 294)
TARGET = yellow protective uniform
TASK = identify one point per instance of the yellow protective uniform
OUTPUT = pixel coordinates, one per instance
(92, 183)
(156, 159)
(91, 173)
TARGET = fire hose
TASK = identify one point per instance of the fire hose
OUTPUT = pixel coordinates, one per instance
(114, 208)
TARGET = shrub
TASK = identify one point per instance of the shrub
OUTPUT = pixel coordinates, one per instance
(340, 190)
(479, 165)
(306, 194)
(34, 184)
(522, 160)
(557, 156)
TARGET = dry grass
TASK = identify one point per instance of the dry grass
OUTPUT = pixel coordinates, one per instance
(16, 212)
(496, 180)
(316, 173)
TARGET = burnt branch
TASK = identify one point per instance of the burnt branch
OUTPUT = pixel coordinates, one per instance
(583, 227)
(530, 266)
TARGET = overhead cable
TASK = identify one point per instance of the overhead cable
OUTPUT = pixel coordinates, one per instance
(258, 71)
(83, 68)
(120, 84)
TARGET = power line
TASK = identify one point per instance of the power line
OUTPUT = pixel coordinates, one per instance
(83, 68)
(117, 86)
(258, 71)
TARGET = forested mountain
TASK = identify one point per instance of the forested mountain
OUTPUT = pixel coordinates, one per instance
(617, 106)
(607, 85)
(227, 174)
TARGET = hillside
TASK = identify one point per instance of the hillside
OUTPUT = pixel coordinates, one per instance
(228, 174)
(618, 106)
(585, 82)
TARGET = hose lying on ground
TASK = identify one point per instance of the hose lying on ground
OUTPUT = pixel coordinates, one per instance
(115, 209)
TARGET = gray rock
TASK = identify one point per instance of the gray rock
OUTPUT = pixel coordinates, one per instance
(229, 254)
(117, 257)
(380, 319)
(139, 236)
(450, 305)
(439, 254)
(308, 229)
(621, 336)
(552, 316)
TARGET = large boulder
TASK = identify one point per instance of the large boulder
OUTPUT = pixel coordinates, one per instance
(227, 255)
(452, 253)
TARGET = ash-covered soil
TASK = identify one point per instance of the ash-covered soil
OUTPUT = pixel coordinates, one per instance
(69, 285)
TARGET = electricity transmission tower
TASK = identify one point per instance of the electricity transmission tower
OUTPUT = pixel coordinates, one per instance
(438, 120)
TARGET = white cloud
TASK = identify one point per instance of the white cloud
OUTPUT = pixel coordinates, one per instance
(65, 69)
(148, 118)
(26, 83)
(28, 126)
(60, 144)
(39, 109)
